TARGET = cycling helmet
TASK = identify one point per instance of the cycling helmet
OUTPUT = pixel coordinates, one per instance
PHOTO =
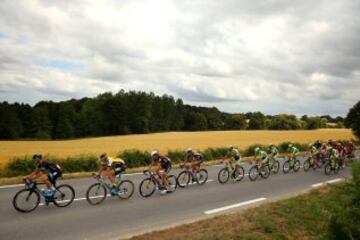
(154, 153)
(188, 150)
(103, 155)
(257, 149)
(37, 156)
(231, 147)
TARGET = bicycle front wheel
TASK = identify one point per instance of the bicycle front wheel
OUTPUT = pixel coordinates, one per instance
(297, 165)
(26, 200)
(275, 166)
(64, 195)
(239, 174)
(96, 194)
(286, 166)
(183, 179)
(254, 173)
(147, 187)
(223, 175)
(307, 165)
(172, 183)
(202, 176)
(125, 189)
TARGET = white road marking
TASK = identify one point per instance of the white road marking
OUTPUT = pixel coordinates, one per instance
(216, 210)
(327, 182)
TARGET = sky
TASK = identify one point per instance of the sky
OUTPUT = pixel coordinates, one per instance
(273, 56)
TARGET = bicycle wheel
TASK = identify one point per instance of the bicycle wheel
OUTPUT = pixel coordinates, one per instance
(26, 200)
(297, 165)
(125, 189)
(64, 195)
(307, 164)
(147, 187)
(96, 194)
(275, 167)
(202, 176)
(183, 179)
(254, 173)
(265, 171)
(286, 166)
(223, 175)
(327, 169)
(239, 174)
(172, 183)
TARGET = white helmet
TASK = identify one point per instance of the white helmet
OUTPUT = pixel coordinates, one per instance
(154, 153)
(188, 150)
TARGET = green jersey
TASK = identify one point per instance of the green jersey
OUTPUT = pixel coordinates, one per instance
(333, 153)
(274, 151)
(294, 151)
(234, 154)
(313, 149)
(261, 154)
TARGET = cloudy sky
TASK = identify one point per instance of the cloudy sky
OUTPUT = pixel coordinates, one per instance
(274, 56)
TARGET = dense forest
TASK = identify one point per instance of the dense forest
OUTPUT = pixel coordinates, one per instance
(135, 112)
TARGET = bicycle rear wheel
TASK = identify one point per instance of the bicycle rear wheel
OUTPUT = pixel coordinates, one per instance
(125, 189)
(64, 195)
(223, 175)
(147, 187)
(96, 194)
(202, 176)
(26, 200)
(183, 179)
(327, 169)
(254, 173)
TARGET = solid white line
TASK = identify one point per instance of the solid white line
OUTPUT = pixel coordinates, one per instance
(216, 210)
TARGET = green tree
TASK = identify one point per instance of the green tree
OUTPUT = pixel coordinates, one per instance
(352, 119)
(236, 122)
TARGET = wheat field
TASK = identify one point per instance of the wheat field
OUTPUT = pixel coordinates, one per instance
(164, 141)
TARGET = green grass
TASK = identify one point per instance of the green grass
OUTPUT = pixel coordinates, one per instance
(302, 217)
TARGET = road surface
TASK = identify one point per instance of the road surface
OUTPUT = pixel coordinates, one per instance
(116, 219)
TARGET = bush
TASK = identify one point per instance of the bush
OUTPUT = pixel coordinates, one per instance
(345, 222)
(176, 156)
(214, 153)
(135, 158)
(24, 166)
(250, 151)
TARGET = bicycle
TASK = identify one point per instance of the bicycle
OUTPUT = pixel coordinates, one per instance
(332, 167)
(291, 164)
(259, 169)
(275, 166)
(310, 163)
(186, 176)
(97, 192)
(229, 171)
(153, 181)
(28, 199)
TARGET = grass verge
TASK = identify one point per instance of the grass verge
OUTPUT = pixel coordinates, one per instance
(303, 217)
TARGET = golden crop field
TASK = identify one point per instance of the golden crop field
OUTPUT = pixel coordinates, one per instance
(164, 141)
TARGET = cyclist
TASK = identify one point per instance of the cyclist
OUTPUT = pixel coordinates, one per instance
(272, 154)
(162, 166)
(233, 155)
(333, 156)
(293, 152)
(194, 159)
(110, 168)
(261, 155)
(47, 172)
(314, 151)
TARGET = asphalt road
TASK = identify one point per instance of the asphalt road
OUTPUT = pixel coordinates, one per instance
(116, 219)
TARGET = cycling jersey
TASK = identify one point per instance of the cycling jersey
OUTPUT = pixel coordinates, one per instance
(234, 154)
(165, 164)
(261, 155)
(274, 151)
(52, 170)
(333, 153)
(294, 151)
(198, 157)
(313, 149)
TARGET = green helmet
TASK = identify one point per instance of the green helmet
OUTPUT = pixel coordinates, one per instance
(257, 149)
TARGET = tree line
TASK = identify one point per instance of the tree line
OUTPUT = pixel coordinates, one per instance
(135, 112)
